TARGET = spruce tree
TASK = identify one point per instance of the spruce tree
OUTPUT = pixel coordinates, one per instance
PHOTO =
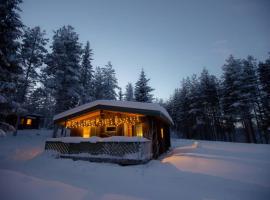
(10, 67)
(264, 78)
(231, 94)
(86, 76)
(110, 82)
(98, 84)
(63, 68)
(142, 89)
(32, 54)
(129, 94)
(210, 104)
(249, 96)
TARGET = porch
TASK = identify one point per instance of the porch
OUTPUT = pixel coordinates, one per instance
(120, 150)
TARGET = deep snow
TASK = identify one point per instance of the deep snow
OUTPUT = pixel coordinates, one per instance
(203, 170)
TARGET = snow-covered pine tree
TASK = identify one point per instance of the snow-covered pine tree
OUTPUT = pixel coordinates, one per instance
(142, 89)
(32, 55)
(184, 116)
(178, 107)
(86, 76)
(210, 104)
(63, 68)
(196, 108)
(173, 109)
(129, 94)
(10, 67)
(41, 100)
(264, 78)
(231, 94)
(98, 84)
(110, 82)
(249, 96)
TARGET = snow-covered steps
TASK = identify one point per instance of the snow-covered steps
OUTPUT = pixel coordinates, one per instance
(121, 150)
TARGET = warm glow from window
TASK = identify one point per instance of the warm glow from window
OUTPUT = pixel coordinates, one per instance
(139, 130)
(29, 122)
(22, 120)
(161, 132)
(86, 132)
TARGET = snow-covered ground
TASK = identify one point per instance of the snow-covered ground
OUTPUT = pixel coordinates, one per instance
(203, 170)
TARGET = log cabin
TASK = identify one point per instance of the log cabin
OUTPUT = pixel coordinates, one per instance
(116, 119)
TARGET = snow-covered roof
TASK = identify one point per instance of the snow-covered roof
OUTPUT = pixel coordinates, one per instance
(129, 106)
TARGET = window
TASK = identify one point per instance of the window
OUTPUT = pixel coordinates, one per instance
(139, 130)
(29, 122)
(86, 132)
(22, 121)
(161, 133)
(110, 129)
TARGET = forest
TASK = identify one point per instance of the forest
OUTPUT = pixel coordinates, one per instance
(47, 81)
(211, 108)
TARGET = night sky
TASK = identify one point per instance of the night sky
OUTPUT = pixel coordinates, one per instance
(169, 39)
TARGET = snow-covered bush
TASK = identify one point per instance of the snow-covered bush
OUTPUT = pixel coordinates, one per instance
(6, 128)
(2, 133)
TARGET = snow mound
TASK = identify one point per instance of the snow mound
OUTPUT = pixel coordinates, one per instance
(15, 185)
(6, 129)
(2, 133)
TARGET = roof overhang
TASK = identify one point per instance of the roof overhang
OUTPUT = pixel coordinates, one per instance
(150, 109)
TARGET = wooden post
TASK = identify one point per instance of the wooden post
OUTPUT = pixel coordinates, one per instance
(17, 125)
(55, 130)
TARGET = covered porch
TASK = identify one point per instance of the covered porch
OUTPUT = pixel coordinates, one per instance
(118, 130)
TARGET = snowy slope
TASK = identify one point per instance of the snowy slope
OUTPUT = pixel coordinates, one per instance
(209, 170)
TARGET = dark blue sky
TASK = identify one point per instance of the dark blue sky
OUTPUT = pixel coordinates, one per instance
(169, 39)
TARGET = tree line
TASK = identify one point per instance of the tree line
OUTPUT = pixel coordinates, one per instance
(41, 80)
(35, 80)
(210, 108)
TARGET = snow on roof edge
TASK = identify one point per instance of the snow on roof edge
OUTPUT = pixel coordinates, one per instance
(114, 103)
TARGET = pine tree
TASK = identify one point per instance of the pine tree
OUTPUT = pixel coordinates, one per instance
(231, 94)
(210, 104)
(178, 107)
(264, 78)
(32, 54)
(86, 76)
(142, 89)
(63, 68)
(129, 94)
(110, 82)
(41, 102)
(10, 68)
(98, 84)
(249, 96)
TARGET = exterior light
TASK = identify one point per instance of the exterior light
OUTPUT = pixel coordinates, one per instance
(29, 122)
(161, 133)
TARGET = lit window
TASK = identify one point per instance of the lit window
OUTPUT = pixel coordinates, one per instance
(161, 133)
(139, 130)
(22, 120)
(29, 122)
(86, 132)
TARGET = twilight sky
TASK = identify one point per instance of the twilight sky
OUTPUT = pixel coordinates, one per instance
(170, 39)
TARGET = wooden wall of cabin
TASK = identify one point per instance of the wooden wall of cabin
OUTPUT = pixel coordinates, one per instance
(159, 144)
